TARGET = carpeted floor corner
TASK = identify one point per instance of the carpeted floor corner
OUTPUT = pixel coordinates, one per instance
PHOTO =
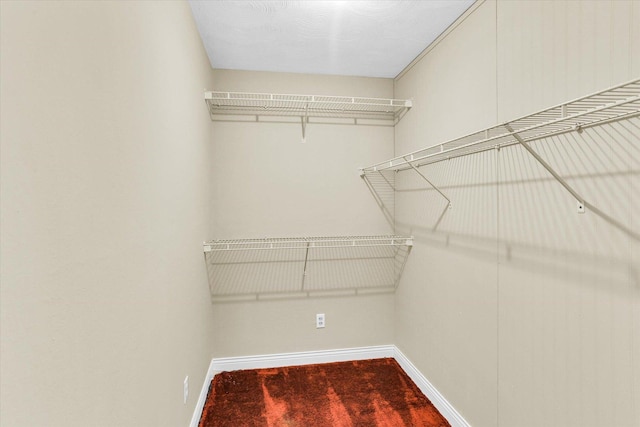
(366, 393)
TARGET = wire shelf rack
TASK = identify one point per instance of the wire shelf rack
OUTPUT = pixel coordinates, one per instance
(254, 269)
(616, 103)
(621, 102)
(224, 104)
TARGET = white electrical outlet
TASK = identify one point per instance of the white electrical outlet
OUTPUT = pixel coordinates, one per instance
(580, 207)
(320, 320)
(186, 388)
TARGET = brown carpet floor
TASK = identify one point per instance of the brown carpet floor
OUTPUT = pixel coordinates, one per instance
(367, 393)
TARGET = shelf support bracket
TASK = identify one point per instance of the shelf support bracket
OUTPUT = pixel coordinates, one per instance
(581, 201)
(304, 119)
(304, 271)
(304, 128)
(427, 180)
(545, 165)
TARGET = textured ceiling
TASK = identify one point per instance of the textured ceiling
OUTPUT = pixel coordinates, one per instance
(377, 38)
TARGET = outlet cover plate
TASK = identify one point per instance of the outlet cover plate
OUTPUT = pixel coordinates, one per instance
(320, 320)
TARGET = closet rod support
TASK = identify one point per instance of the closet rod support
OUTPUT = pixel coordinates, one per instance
(546, 165)
(304, 128)
(429, 182)
(582, 203)
(304, 271)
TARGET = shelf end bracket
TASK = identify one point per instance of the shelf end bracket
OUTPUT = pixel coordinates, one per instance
(304, 128)
(582, 203)
(546, 165)
(429, 182)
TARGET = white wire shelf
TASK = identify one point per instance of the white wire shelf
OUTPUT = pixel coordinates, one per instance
(222, 105)
(613, 104)
(253, 269)
(306, 242)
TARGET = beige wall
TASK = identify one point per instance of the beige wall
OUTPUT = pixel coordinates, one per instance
(519, 310)
(266, 183)
(105, 153)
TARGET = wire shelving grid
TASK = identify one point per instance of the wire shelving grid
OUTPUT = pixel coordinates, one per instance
(241, 269)
(388, 111)
(613, 104)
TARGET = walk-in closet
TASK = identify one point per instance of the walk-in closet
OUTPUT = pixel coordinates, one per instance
(320, 213)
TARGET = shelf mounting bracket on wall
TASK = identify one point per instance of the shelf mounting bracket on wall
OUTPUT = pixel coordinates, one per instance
(305, 119)
(582, 203)
(409, 162)
(546, 165)
(304, 269)
(304, 128)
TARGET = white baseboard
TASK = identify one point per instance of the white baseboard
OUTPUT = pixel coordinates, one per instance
(197, 412)
(438, 400)
(329, 356)
(302, 358)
